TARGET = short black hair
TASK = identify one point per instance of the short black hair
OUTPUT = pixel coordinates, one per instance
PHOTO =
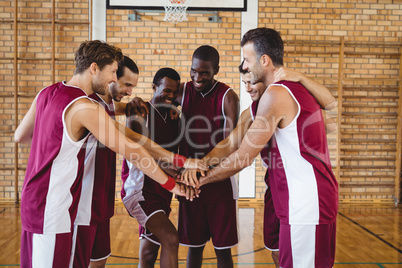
(266, 41)
(207, 53)
(129, 63)
(165, 72)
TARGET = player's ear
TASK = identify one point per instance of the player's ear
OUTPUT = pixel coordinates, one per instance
(93, 67)
(265, 60)
(216, 70)
(154, 87)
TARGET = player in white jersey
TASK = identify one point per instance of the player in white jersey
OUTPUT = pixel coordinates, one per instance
(304, 189)
(55, 168)
(98, 198)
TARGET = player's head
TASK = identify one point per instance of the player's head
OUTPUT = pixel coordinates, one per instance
(262, 51)
(255, 90)
(204, 66)
(98, 52)
(165, 85)
(127, 79)
(99, 60)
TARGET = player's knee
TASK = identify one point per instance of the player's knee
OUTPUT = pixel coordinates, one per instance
(171, 239)
(148, 257)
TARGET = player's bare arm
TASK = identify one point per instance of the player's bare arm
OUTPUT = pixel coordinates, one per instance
(320, 92)
(84, 116)
(277, 108)
(120, 108)
(23, 133)
(227, 146)
(231, 108)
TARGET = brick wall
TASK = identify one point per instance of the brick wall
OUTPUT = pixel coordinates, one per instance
(311, 29)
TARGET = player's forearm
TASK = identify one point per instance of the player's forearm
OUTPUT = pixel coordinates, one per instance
(120, 108)
(142, 160)
(156, 151)
(228, 167)
(168, 168)
(221, 151)
(320, 92)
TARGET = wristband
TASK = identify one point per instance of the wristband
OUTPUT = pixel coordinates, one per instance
(170, 184)
(179, 160)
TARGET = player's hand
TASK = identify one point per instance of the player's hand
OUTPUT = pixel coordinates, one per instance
(177, 190)
(137, 106)
(174, 113)
(190, 177)
(194, 163)
(202, 180)
(190, 192)
(287, 74)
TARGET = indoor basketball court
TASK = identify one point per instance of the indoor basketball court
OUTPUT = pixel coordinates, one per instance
(351, 47)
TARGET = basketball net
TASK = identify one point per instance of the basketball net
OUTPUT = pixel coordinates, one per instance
(175, 10)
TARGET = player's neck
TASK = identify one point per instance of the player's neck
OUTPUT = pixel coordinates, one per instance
(82, 82)
(106, 98)
(210, 87)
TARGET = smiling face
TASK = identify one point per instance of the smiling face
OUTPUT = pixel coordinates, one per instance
(166, 92)
(202, 74)
(252, 63)
(255, 90)
(103, 78)
(124, 85)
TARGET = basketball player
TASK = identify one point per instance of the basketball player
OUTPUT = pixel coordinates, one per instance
(144, 199)
(271, 221)
(304, 189)
(58, 124)
(210, 109)
(93, 229)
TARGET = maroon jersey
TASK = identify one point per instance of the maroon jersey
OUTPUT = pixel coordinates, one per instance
(304, 188)
(164, 131)
(205, 123)
(52, 185)
(98, 189)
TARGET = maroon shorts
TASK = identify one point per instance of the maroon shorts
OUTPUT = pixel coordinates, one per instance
(142, 206)
(92, 243)
(312, 245)
(199, 222)
(101, 247)
(271, 223)
(46, 250)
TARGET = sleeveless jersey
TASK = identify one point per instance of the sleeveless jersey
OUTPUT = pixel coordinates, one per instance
(99, 184)
(205, 123)
(304, 188)
(165, 132)
(52, 185)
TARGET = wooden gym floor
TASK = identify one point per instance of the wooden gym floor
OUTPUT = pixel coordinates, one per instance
(368, 236)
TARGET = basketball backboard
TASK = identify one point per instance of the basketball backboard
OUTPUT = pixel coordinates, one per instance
(207, 5)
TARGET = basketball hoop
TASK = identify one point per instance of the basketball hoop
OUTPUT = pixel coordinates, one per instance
(175, 10)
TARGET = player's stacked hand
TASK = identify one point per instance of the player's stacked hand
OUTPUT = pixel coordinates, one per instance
(190, 177)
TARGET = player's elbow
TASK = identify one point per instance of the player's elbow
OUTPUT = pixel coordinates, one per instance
(331, 105)
(331, 127)
(19, 138)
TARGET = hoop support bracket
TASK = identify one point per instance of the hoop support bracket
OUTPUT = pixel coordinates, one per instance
(136, 14)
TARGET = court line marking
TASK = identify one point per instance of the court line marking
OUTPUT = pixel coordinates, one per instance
(372, 233)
